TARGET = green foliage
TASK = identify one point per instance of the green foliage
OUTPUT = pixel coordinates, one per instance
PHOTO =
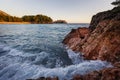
(116, 10)
(117, 3)
(28, 18)
(9, 19)
(39, 19)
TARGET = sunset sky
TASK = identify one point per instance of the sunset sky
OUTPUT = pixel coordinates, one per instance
(73, 11)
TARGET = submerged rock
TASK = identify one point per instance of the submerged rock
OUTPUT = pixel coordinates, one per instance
(43, 78)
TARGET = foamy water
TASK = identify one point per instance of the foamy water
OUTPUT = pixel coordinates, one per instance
(33, 51)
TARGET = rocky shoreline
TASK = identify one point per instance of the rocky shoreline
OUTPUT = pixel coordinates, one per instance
(15, 23)
(101, 41)
(98, 42)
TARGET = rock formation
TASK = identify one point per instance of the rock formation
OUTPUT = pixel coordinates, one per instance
(76, 38)
(101, 40)
(113, 14)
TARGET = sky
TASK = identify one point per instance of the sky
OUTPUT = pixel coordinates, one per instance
(73, 11)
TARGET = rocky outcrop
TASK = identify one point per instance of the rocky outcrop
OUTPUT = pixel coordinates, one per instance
(103, 42)
(113, 14)
(76, 38)
(105, 74)
(100, 41)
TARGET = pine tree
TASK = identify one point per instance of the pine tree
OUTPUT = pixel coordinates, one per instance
(116, 3)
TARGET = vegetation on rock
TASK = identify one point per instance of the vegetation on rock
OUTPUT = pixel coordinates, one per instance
(39, 19)
(60, 21)
(4, 17)
(117, 3)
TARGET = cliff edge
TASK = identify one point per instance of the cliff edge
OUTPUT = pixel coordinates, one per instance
(101, 40)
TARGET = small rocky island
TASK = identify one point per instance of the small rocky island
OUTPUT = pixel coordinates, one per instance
(60, 22)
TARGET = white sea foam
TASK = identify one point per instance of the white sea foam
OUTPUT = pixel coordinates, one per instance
(75, 57)
(16, 65)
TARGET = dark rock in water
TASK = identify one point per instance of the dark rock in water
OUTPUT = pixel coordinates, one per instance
(43, 78)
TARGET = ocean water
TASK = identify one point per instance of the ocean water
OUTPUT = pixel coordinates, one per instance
(35, 50)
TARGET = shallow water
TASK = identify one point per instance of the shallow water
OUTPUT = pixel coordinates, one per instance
(34, 50)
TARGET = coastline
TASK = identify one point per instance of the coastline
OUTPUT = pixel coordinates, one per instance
(15, 23)
(100, 42)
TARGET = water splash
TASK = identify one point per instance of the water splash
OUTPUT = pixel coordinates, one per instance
(16, 65)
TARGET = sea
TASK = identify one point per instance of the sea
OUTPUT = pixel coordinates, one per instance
(30, 51)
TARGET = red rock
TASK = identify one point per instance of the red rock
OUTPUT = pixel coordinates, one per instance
(75, 37)
(104, 42)
(113, 14)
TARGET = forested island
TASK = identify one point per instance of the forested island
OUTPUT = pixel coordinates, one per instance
(27, 19)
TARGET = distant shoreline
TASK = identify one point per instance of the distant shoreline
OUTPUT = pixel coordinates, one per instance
(35, 23)
(15, 23)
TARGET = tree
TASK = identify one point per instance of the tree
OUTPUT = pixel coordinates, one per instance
(117, 3)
